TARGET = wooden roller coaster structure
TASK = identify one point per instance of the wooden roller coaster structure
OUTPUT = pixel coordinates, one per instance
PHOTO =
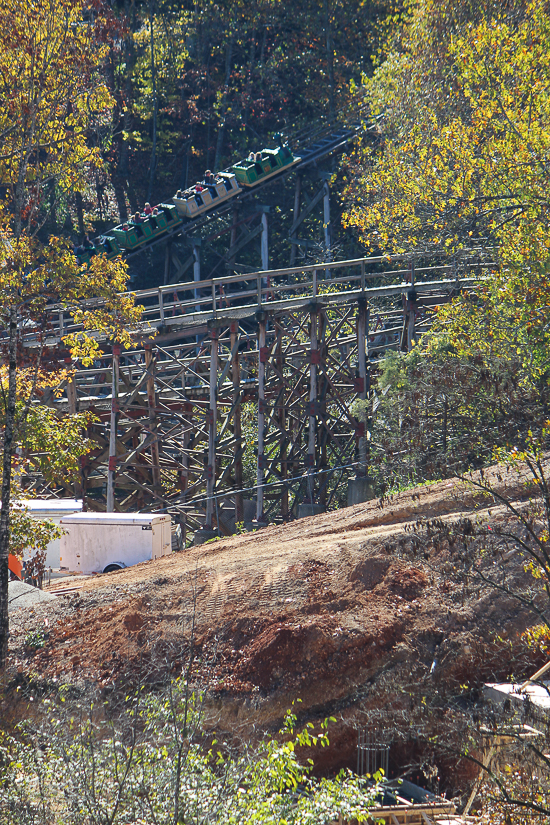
(247, 398)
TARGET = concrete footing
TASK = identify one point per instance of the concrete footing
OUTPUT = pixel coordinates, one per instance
(254, 525)
(203, 535)
(360, 489)
(305, 510)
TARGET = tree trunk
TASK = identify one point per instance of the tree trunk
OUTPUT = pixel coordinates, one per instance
(330, 61)
(18, 201)
(223, 113)
(127, 116)
(6, 487)
(80, 213)
(155, 105)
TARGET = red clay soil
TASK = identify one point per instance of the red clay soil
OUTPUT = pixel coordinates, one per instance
(332, 609)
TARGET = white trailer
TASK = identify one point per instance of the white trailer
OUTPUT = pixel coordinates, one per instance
(53, 509)
(103, 542)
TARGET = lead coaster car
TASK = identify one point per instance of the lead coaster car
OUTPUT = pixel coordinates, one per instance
(251, 172)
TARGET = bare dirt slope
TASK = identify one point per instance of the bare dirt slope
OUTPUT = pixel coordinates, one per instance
(333, 609)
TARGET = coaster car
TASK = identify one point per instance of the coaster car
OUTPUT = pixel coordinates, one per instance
(134, 234)
(104, 245)
(204, 196)
(263, 165)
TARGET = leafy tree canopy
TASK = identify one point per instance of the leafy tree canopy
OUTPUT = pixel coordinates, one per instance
(53, 95)
(465, 100)
(151, 765)
(463, 161)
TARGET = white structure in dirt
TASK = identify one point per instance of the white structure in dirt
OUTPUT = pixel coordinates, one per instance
(103, 542)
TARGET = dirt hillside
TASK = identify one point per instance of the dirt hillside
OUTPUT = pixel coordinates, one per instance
(334, 609)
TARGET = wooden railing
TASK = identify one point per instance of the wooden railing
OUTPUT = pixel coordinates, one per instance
(193, 302)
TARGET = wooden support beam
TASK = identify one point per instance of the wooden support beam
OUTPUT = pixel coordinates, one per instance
(212, 428)
(307, 211)
(111, 472)
(244, 240)
(181, 268)
(362, 334)
(408, 333)
(262, 359)
(237, 424)
(197, 268)
(312, 412)
(167, 260)
(233, 237)
(72, 397)
(411, 332)
(326, 226)
(281, 423)
(152, 412)
(297, 193)
(265, 242)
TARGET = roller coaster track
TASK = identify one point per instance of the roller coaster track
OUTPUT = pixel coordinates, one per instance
(311, 144)
(250, 395)
(273, 362)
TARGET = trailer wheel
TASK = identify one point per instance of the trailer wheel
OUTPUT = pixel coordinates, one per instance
(116, 565)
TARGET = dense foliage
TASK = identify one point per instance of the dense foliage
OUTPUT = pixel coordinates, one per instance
(156, 764)
(464, 99)
(463, 162)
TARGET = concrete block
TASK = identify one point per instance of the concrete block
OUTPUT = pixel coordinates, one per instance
(249, 507)
(360, 489)
(305, 510)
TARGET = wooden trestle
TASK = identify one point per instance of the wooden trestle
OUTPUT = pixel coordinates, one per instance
(246, 389)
